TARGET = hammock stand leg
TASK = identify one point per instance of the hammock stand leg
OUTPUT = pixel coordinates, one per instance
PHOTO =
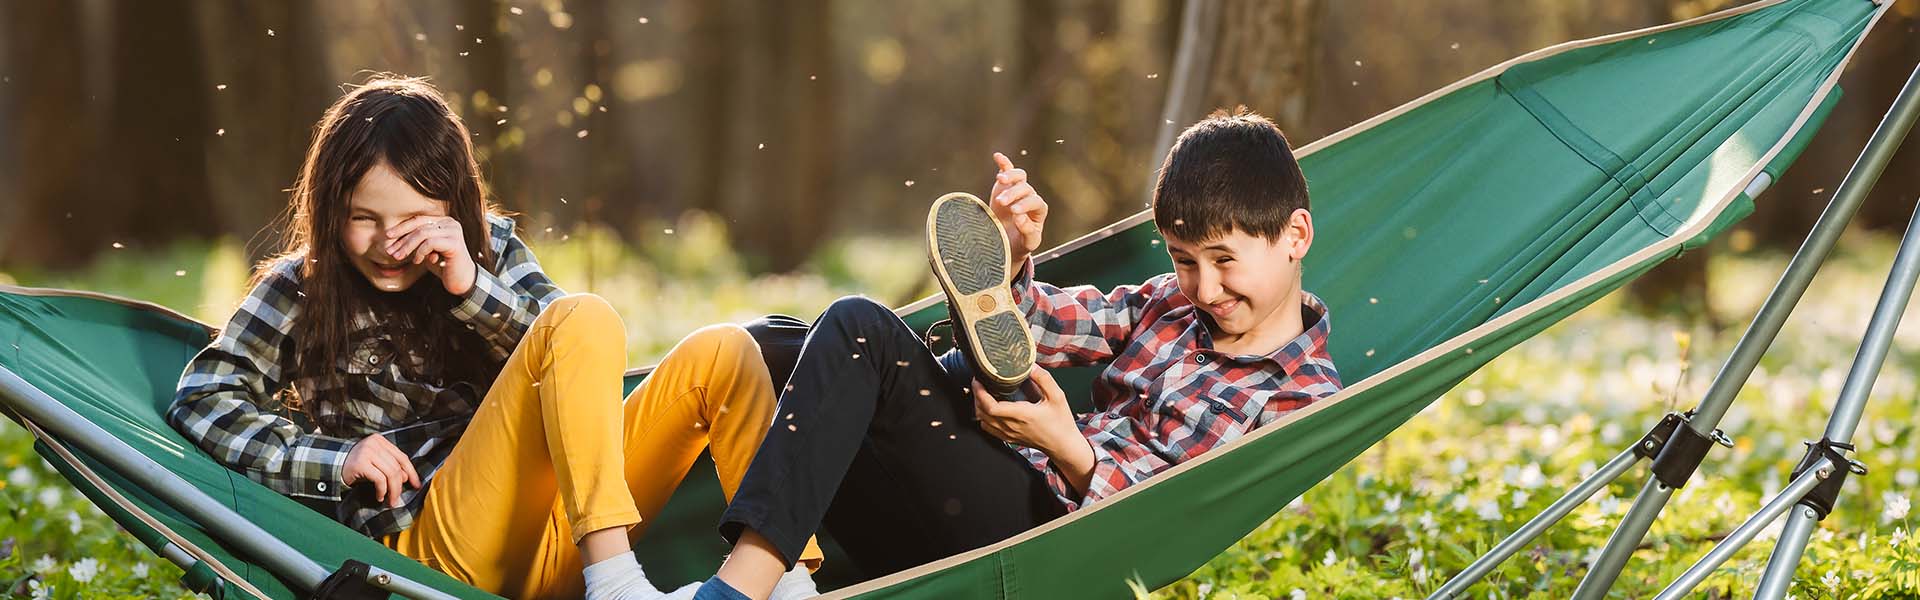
(1680, 441)
(1818, 479)
(1853, 190)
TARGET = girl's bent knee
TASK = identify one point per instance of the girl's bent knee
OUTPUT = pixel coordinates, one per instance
(726, 342)
(587, 313)
(582, 325)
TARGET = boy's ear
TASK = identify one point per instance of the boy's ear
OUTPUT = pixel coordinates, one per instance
(1299, 236)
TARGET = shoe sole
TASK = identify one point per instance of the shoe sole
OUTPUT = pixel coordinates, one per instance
(968, 252)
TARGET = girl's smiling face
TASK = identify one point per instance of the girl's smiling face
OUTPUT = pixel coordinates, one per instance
(378, 202)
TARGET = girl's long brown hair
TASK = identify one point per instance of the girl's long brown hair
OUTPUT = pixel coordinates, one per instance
(404, 122)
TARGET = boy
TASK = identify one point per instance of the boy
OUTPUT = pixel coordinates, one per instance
(874, 437)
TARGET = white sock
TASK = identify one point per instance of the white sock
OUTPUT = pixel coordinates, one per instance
(619, 578)
(796, 584)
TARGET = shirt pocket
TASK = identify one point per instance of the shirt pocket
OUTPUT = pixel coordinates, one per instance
(1195, 408)
(365, 358)
(1224, 408)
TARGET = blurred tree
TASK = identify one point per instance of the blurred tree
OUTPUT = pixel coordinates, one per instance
(1263, 57)
(770, 124)
(797, 123)
(110, 133)
(262, 102)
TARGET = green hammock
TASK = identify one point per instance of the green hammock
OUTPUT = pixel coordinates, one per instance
(1450, 229)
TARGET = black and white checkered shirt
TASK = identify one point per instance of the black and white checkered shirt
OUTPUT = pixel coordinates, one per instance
(227, 398)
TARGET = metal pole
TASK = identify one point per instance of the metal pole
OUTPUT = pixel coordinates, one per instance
(227, 526)
(1793, 284)
(1852, 400)
(1873, 349)
(1786, 554)
(1746, 531)
(1538, 525)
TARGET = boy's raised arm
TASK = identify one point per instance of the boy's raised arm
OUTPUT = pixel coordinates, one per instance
(1072, 326)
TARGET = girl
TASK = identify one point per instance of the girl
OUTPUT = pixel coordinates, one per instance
(407, 367)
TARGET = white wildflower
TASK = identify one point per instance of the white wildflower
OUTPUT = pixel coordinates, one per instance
(140, 570)
(1899, 537)
(84, 570)
(1550, 437)
(1519, 498)
(1393, 504)
(1609, 505)
(1427, 522)
(50, 497)
(1456, 466)
(1297, 594)
(1205, 588)
(43, 564)
(1897, 507)
(39, 590)
(73, 522)
(1414, 557)
(1330, 559)
(1831, 580)
(20, 477)
(1528, 477)
(1489, 511)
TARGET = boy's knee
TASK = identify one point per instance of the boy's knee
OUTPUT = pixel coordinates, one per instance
(855, 309)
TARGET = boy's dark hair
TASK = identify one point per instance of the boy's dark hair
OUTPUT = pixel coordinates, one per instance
(1229, 171)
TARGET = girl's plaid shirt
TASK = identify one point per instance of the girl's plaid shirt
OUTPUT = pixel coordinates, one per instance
(227, 404)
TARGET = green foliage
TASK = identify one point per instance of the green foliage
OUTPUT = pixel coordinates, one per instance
(1398, 521)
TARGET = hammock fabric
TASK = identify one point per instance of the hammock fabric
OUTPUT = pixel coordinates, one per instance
(1450, 229)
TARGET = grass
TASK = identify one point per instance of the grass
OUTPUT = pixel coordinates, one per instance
(1396, 522)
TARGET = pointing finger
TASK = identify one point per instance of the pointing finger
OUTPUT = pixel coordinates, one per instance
(1005, 164)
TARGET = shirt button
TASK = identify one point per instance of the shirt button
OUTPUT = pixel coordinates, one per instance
(1217, 408)
(373, 360)
(322, 486)
(1200, 359)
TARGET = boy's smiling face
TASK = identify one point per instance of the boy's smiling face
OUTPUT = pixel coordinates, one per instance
(1248, 284)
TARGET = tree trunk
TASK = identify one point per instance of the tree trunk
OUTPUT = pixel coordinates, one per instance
(112, 140)
(1263, 57)
(263, 95)
(766, 155)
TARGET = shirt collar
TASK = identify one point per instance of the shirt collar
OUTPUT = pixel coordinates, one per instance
(1310, 344)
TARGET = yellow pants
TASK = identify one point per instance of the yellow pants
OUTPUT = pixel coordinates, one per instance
(552, 455)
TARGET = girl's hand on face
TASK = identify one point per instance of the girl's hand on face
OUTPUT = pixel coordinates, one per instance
(375, 459)
(439, 243)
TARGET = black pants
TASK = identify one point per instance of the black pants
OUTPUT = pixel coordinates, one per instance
(876, 441)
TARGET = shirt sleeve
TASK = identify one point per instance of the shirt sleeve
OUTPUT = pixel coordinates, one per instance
(505, 300)
(219, 398)
(1081, 325)
(1120, 460)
